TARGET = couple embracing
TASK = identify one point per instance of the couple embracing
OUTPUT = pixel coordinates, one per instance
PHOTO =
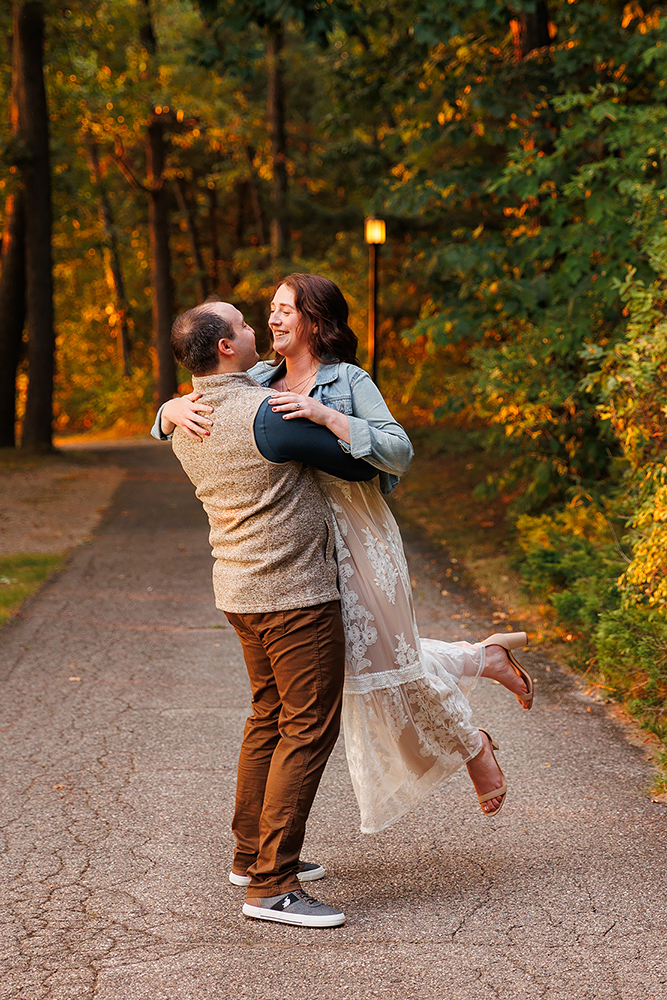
(291, 459)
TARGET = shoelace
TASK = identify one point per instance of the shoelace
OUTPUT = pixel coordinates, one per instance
(305, 897)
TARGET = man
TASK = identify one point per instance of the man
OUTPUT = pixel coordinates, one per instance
(275, 579)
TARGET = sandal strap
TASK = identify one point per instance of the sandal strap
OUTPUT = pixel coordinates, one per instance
(525, 677)
(497, 793)
(494, 745)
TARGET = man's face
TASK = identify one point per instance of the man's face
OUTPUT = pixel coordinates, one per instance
(245, 351)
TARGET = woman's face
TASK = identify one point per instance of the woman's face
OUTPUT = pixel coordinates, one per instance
(284, 319)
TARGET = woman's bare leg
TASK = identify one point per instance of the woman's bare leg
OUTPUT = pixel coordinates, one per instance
(486, 775)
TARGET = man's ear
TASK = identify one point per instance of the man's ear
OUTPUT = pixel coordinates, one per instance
(226, 347)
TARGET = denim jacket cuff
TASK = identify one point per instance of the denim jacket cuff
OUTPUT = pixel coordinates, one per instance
(360, 438)
(156, 429)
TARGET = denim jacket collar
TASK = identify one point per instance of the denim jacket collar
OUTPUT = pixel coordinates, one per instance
(327, 373)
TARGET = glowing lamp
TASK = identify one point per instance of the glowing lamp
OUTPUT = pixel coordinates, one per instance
(375, 230)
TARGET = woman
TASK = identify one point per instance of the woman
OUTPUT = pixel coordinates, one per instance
(406, 716)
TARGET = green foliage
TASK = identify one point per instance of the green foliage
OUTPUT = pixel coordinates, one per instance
(547, 174)
(620, 615)
(571, 555)
(631, 384)
(631, 649)
(645, 579)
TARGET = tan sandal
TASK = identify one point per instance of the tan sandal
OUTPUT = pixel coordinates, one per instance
(501, 792)
(510, 641)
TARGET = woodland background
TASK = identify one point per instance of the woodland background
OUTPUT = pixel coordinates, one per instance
(154, 151)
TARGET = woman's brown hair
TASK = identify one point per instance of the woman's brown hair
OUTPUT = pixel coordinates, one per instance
(324, 312)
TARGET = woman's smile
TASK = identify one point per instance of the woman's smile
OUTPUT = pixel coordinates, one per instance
(284, 320)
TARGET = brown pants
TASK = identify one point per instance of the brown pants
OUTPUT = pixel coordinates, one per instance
(295, 661)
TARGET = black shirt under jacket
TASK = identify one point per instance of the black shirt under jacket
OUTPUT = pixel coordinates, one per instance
(303, 441)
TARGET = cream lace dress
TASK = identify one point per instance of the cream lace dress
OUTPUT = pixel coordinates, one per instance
(406, 717)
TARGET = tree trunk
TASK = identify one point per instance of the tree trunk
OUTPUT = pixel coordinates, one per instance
(146, 33)
(114, 269)
(276, 115)
(260, 228)
(12, 313)
(12, 289)
(185, 205)
(239, 221)
(163, 296)
(33, 131)
(530, 31)
(214, 269)
(164, 366)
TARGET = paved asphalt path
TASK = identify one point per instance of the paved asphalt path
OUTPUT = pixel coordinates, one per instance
(123, 701)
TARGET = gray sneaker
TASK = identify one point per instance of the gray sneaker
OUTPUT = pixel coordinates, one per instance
(308, 871)
(294, 907)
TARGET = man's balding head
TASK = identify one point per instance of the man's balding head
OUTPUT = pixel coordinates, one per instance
(196, 333)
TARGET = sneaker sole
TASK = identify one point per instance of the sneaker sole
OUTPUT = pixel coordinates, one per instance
(311, 876)
(295, 919)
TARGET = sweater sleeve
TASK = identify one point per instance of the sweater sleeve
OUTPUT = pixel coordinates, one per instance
(303, 441)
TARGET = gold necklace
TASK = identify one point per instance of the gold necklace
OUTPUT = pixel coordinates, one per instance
(300, 385)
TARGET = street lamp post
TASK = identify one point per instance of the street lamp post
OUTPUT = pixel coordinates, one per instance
(375, 233)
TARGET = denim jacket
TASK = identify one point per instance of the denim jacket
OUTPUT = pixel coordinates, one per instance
(374, 434)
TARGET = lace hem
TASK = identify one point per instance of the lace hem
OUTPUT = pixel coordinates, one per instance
(403, 741)
(383, 679)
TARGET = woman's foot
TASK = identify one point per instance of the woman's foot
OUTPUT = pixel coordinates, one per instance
(498, 667)
(487, 777)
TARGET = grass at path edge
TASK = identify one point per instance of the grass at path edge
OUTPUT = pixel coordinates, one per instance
(20, 576)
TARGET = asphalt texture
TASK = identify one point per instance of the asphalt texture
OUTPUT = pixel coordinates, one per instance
(123, 701)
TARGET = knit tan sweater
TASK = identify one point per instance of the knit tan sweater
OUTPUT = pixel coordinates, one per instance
(271, 529)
